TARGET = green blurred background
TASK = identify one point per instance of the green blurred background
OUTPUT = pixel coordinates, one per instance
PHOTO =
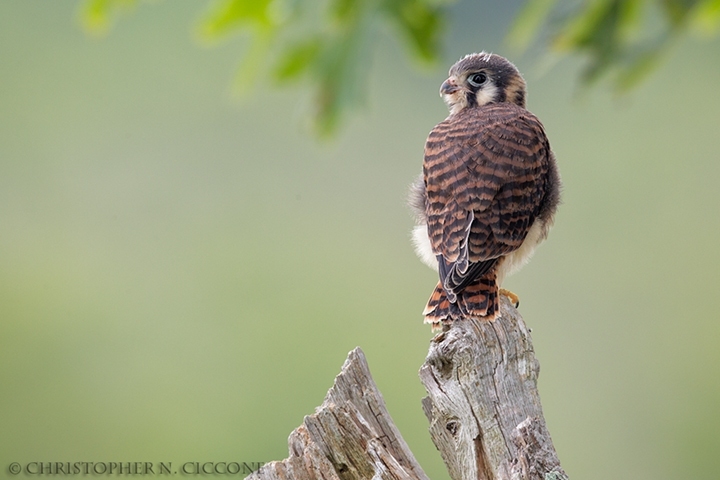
(182, 274)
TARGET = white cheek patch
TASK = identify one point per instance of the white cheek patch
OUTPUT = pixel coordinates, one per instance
(421, 241)
(486, 94)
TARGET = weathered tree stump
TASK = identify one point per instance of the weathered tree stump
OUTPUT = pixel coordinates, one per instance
(350, 436)
(483, 406)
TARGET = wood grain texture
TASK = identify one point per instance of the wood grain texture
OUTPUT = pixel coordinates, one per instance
(350, 436)
(483, 404)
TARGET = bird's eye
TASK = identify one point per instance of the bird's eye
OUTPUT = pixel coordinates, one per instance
(477, 79)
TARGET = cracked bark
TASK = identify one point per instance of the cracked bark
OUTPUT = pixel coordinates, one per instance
(483, 406)
(350, 436)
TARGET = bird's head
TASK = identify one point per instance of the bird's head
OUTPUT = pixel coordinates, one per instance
(481, 78)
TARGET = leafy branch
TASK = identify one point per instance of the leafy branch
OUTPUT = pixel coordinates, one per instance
(622, 38)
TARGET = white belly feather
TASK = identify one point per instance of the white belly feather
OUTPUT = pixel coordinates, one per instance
(423, 248)
(516, 259)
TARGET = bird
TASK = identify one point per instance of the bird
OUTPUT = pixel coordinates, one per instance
(488, 192)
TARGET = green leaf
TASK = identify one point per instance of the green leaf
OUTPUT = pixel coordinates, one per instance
(706, 17)
(347, 11)
(630, 18)
(298, 59)
(229, 16)
(595, 26)
(260, 18)
(420, 23)
(341, 73)
(677, 11)
(253, 62)
(528, 22)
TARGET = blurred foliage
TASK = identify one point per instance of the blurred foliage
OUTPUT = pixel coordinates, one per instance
(330, 43)
(624, 38)
(327, 43)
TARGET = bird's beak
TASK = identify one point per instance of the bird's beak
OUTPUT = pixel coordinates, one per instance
(448, 87)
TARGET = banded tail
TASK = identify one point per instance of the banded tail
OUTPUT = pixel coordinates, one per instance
(477, 300)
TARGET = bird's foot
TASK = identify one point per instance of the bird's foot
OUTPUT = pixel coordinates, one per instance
(514, 299)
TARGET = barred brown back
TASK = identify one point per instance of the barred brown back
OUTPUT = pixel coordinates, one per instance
(487, 174)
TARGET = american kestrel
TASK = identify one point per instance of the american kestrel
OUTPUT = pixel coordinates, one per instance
(489, 189)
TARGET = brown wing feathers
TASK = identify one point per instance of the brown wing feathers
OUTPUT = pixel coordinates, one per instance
(481, 173)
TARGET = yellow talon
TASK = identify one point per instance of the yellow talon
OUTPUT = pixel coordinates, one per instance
(514, 299)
